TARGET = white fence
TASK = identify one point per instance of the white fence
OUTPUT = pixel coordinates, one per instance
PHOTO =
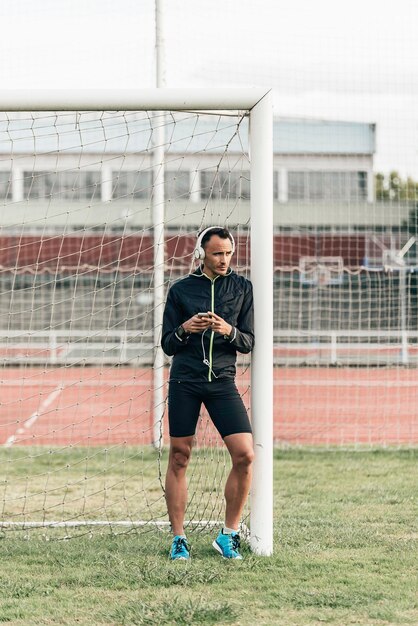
(345, 347)
(76, 347)
(134, 348)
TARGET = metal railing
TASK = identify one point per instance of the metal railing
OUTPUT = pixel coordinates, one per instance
(346, 347)
(68, 347)
(134, 348)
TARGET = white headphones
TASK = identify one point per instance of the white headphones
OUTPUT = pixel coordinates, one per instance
(199, 251)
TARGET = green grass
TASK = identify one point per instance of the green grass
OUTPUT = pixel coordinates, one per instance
(94, 483)
(346, 535)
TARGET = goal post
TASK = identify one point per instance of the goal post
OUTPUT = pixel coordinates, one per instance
(261, 147)
(258, 105)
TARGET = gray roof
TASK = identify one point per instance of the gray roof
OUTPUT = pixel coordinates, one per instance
(184, 133)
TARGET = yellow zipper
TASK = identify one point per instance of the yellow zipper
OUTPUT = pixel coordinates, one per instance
(213, 332)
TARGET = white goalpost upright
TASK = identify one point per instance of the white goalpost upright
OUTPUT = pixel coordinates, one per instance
(257, 104)
(158, 290)
(158, 168)
(261, 152)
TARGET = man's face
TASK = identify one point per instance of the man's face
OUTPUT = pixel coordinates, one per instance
(218, 253)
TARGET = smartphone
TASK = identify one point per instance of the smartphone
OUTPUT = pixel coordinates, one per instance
(203, 314)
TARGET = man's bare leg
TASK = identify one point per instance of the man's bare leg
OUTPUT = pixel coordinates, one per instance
(238, 484)
(175, 482)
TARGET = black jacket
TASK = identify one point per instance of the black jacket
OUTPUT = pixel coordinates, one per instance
(207, 356)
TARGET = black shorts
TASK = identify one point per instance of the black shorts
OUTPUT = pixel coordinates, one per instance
(220, 397)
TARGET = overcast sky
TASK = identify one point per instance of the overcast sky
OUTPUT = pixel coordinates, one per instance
(349, 60)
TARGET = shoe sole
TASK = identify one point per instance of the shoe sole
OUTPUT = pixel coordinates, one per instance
(219, 549)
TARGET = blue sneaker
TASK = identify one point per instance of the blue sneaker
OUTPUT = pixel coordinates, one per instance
(228, 545)
(180, 549)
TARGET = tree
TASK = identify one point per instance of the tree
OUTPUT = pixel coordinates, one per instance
(393, 188)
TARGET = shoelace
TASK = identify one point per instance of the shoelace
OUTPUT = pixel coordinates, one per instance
(235, 542)
(180, 543)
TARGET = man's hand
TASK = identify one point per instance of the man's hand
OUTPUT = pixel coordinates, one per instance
(198, 324)
(217, 324)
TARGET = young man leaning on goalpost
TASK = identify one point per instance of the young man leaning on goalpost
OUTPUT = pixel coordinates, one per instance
(208, 317)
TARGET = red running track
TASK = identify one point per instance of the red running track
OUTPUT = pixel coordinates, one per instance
(111, 406)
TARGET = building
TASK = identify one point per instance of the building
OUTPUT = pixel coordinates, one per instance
(76, 239)
(82, 171)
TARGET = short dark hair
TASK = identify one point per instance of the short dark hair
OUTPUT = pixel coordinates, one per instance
(223, 233)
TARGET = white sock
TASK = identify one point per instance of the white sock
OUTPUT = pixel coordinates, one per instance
(229, 531)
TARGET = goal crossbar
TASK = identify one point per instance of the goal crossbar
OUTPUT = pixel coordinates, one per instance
(258, 104)
(131, 99)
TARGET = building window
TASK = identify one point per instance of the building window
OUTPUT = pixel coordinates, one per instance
(362, 183)
(177, 184)
(224, 184)
(327, 185)
(72, 185)
(5, 186)
(276, 185)
(132, 184)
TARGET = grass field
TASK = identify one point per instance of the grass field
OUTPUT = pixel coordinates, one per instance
(346, 552)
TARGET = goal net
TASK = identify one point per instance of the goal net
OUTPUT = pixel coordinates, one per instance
(345, 291)
(99, 215)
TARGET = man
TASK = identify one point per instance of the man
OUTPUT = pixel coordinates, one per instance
(208, 317)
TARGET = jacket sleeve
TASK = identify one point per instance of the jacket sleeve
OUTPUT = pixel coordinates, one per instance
(172, 318)
(242, 336)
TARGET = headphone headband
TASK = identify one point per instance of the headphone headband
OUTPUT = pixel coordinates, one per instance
(199, 252)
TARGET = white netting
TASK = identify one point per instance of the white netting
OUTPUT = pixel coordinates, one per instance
(77, 278)
(77, 309)
(345, 337)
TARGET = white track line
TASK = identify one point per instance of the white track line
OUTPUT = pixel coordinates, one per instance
(77, 383)
(390, 384)
(32, 419)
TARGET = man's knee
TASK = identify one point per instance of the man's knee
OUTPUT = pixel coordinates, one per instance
(179, 458)
(241, 449)
(243, 458)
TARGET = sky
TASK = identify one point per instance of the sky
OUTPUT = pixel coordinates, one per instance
(347, 60)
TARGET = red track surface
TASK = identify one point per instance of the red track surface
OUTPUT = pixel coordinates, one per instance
(92, 406)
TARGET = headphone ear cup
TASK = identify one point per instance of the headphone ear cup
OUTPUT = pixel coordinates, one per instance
(199, 253)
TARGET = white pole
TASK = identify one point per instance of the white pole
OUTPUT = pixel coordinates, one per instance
(158, 153)
(261, 156)
(403, 315)
(158, 278)
(168, 99)
(160, 44)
